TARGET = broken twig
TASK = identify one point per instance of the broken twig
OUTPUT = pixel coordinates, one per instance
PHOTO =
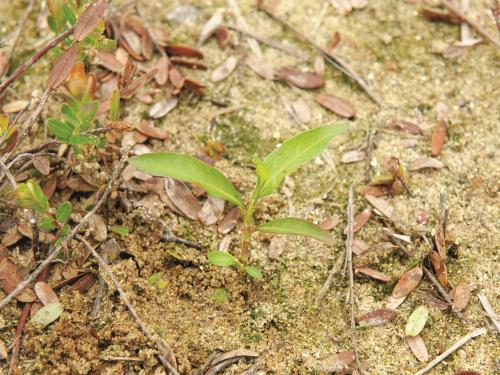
(489, 310)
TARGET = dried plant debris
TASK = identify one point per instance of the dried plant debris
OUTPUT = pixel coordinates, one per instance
(301, 80)
(375, 318)
(438, 138)
(225, 360)
(408, 282)
(339, 106)
(461, 297)
(418, 348)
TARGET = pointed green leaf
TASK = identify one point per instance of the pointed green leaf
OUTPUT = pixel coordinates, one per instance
(84, 139)
(46, 223)
(47, 314)
(120, 229)
(295, 152)
(61, 130)
(114, 105)
(416, 321)
(221, 258)
(221, 295)
(300, 227)
(63, 212)
(186, 168)
(255, 272)
(30, 195)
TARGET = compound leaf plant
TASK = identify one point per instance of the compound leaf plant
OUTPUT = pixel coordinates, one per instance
(271, 172)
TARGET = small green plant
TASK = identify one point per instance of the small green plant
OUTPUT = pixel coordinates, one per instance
(270, 174)
(29, 195)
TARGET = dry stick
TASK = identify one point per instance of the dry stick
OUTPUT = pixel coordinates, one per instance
(100, 290)
(333, 59)
(292, 51)
(127, 303)
(329, 280)
(20, 28)
(7, 173)
(438, 286)
(369, 154)
(169, 237)
(459, 343)
(54, 250)
(350, 238)
(476, 26)
(242, 24)
(489, 310)
(33, 59)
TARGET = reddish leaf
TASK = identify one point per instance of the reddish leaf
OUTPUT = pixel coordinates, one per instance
(467, 372)
(375, 318)
(195, 87)
(330, 223)
(89, 19)
(229, 221)
(62, 67)
(45, 293)
(148, 128)
(42, 164)
(462, 297)
(189, 64)
(374, 274)
(438, 138)
(300, 79)
(405, 126)
(361, 219)
(418, 347)
(337, 105)
(408, 282)
(439, 267)
(375, 191)
(431, 300)
(223, 36)
(176, 78)
(439, 238)
(180, 50)
(436, 16)
(10, 278)
(161, 75)
(83, 284)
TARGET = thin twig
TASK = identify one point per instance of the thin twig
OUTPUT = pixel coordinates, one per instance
(369, 154)
(242, 24)
(489, 310)
(54, 250)
(100, 289)
(20, 28)
(476, 26)
(127, 303)
(33, 59)
(336, 268)
(457, 345)
(169, 237)
(438, 286)
(9, 175)
(292, 51)
(330, 57)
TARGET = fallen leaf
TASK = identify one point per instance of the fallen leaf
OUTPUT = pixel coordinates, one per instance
(189, 64)
(77, 183)
(353, 156)
(162, 66)
(462, 297)
(381, 205)
(330, 223)
(89, 19)
(260, 67)
(229, 221)
(62, 67)
(11, 237)
(416, 321)
(276, 247)
(182, 198)
(15, 106)
(408, 282)
(393, 302)
(301, 110)
(467, 372)
(374, 274)
(47, 314)
(337, 105)
(164, 106)
(375, 191)
(211, 210)
(301, 79)
(338, 362)
(4, 354)
(359, 246)
(223, 36)
(148, 128)
(375, 318)
(406, 127)
(418, 348)
(210, 27)
(437, 16)
(226, 359)
(98, 228)
(45, 293)
(422, 163)
(195, 87)
(10, 278)
(361, 219)
(438, 138)
(42, 164)
(181, 50)
(319, 66)
(225, 69)
(431, 300)
(83, 283)
(131, 42)
(440, 239)
(176, 78)
(440, 268)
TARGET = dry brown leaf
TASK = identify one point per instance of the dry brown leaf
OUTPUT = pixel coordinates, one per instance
(276, 247)
(223, 36)
(62, 67)
(339, 106)
(83, 284)
(461, 298)
(45, 293)
(147, 46)
(393, 302)
(211, 211)
(98, 228)
(353, 156)
(361, 219)
(176, 78)
(423, 163)
(440, 268)
(408, 282)
(405, 126)
(15, 106)
(375, 191)
(300, 79)
(438, 138)
(229, 221)
(148, 128)
(374, 274)
(77, 183)
(359, 246)
(440, 239)
(210, 27)
(261, 67)
(301, 110)
(188, 63)
(381, 205)
(319, 66)
(195, 87)
(182, 198)
(338, 363)
(375, 318)
(164, 106)
(329, 223)
(437, 16)
(431, 300)
(467, 372)
(42, 164)
(418, 348)
(11, 237)
(161, 76)
(10, 278)
(4, 354)
(89, 19)
(225, 69)
(180, 50)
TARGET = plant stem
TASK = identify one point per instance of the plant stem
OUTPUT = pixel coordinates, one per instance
(248, 230)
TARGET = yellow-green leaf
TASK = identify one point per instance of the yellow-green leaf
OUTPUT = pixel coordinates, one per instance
(416, 321)
(299, 227)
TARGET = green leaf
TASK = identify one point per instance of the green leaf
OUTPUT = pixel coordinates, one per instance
(46, 223)
(154, 278)
(30, 195)
(294, 152)
(416, 321)
(221, 295)
(52, 24)
(63, 212)
(70, 15)
(255, 272)
(120, 229)
(114, 105)
(300, 227)
(186, 168)
(47, 314)
(84, 139)
(221, 258)
(61, 130)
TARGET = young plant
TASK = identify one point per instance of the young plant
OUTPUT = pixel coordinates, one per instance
(270, 174)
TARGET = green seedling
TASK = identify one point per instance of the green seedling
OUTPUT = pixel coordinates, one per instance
(271, 172)
(29, 195)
